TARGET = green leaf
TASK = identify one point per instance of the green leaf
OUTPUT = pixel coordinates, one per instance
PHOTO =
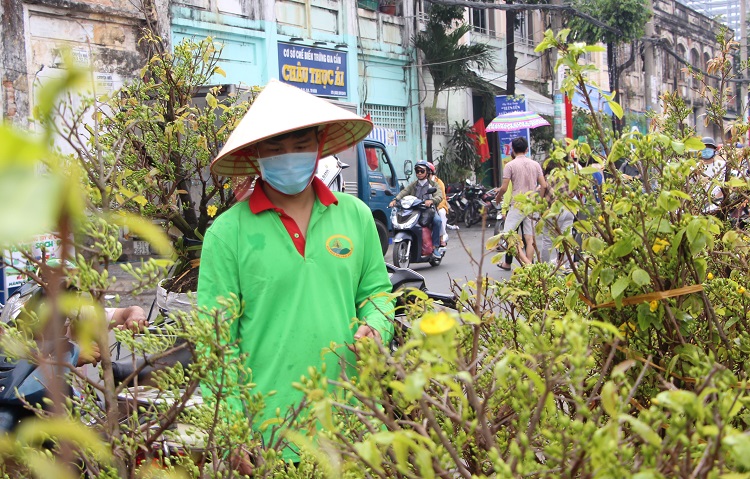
(36, 431)
(594, 245)
(642, 429)
(623, 247)
(678, 147)
(640, 277)
(620, 286)
(694, 227)
(609, 398)
(739, 444)
(616, 108)
(414, 385)
(694, 144)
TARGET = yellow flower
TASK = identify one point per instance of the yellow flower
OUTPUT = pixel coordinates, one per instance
(740, 290)
(437, 323)
(659, 245)
(211, 210)
(710, 276)
(653, 305)
(601, 218)
(226, 185)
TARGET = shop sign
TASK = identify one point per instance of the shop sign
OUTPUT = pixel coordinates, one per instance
(315, 70)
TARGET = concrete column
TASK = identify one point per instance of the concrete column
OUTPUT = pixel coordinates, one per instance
(649, 67)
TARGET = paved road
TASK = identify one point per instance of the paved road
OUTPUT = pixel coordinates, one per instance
(464, 244)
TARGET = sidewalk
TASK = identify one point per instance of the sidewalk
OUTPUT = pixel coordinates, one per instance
(124, 286)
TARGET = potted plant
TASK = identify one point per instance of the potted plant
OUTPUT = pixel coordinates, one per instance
(387, 6)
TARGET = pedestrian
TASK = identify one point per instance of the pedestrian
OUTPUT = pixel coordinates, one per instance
(711, 170)
(420, 188)
(304, 261)
(562, 223)
(442, 207)
(526, 175)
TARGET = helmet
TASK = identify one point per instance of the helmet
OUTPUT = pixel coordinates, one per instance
(709, 142)
(431, 167)
(422, 164)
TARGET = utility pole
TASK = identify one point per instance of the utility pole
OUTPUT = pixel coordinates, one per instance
(649, 62)
(557, 79)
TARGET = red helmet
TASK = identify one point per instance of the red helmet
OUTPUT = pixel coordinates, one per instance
(431, 167)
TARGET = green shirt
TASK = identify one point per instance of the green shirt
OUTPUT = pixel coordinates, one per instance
(296, 306)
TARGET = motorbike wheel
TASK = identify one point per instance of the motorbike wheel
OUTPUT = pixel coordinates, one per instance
(401, 254)
(452, 217)
(470, 216)
(499, 225)
(435, 261)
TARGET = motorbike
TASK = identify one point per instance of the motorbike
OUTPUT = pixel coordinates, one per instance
(456, 207)
(474, 195)
(412, 241)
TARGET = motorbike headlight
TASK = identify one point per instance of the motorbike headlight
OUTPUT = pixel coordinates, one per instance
(411, 221)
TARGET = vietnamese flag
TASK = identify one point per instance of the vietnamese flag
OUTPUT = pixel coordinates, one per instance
(480, 140)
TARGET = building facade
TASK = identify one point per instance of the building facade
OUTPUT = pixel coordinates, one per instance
(724, 11)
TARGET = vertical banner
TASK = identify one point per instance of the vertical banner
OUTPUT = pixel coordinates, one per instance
(510, 104)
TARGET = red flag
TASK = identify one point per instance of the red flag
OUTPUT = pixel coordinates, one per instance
(480, 140)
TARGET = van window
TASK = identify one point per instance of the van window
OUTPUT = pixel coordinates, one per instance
(378, 161)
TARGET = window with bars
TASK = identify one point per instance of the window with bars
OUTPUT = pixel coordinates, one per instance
(388, 116)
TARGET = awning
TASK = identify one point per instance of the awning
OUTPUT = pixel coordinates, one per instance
(387, 136)
(537, 102)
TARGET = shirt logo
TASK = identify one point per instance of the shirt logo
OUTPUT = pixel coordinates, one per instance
(340, 246)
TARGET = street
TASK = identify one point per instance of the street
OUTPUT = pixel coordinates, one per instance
(463, 245)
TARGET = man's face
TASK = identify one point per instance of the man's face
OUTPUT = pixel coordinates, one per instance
(421, 172)
(303, 143)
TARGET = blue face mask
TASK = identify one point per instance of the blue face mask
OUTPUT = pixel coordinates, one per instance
(289, 173)
(708, 153)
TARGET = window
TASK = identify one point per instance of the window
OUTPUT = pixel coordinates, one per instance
(439, 117)
(387, 116)
(482, 20)
(377, 161)
(525, 30)
(682, 53)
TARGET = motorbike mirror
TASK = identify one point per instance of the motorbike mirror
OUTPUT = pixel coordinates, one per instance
(408, 168)
(388, 193)
(432, 190)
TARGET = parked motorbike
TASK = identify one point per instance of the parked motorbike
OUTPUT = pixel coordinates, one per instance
(456, 207)
(474, 195)
(412, 241)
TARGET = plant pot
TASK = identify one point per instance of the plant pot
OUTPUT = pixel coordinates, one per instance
(388, 9)
(170, 302)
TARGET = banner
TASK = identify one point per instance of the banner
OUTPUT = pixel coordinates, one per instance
(48, 246)
(509, 104)
(315, 70)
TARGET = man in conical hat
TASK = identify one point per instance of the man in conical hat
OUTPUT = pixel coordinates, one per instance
(304, 261)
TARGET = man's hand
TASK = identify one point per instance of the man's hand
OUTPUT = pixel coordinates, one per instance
(392, 204)
(132, 318)
(92, 356)
(366, 331)
(242, 463)
(428, 203)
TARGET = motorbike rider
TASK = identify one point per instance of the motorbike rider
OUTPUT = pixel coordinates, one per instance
(419, 189)
(442, 207)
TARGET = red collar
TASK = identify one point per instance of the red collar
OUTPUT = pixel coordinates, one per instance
(259, 202)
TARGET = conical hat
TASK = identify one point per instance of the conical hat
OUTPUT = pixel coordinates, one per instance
(279, 109)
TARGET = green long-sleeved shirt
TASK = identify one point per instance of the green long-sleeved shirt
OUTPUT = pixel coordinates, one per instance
(296, 306)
